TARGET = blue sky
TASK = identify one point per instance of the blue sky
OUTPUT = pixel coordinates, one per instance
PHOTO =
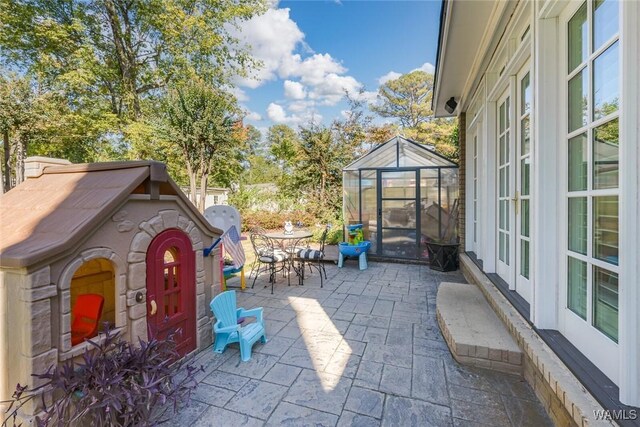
(314, 50)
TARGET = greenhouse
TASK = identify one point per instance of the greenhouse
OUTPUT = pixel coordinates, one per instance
(405, 195)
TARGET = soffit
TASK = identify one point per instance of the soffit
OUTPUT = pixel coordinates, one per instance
(468, 34)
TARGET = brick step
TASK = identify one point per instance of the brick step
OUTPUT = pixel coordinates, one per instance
(472, 330)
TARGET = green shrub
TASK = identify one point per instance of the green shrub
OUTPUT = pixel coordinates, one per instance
(334, 236)
(275, 220)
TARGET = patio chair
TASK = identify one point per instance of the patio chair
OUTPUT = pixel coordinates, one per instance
(313, 258)
(268, 256)
(227, 330)
(86, 315)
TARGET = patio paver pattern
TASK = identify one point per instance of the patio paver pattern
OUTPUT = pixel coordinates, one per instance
(365, 350)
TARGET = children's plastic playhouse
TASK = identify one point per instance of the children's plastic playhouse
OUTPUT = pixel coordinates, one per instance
(123, 231)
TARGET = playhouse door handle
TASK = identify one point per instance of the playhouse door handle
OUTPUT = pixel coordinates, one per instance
(154, 307)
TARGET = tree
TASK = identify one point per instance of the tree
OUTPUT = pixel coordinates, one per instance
(121, 51)
(283, 145)
(318, 169)
(204, 122)
(407, 99)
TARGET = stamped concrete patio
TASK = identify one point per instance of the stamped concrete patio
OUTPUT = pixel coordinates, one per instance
(365, 350)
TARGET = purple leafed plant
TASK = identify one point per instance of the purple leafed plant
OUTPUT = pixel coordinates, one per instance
(116, 384)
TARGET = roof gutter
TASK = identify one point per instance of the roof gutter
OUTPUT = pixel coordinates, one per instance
(444, 25)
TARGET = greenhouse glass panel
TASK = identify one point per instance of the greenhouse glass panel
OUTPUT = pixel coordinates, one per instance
(351, 197)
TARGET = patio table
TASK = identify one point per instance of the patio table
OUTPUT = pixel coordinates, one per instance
(286, 243)
(280, 235)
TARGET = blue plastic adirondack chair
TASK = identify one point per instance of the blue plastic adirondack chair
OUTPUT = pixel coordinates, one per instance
(228, 330)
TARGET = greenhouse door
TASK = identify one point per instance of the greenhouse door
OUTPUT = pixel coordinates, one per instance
(398, 196)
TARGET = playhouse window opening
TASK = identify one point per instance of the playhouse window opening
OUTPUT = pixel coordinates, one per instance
(93, 281)
(172, 295)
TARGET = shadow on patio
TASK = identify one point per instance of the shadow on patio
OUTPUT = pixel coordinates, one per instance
(364, 350)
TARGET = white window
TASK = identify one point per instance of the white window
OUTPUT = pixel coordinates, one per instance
(592, 144)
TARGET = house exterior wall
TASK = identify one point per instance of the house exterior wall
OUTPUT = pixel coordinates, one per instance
(39, 298)
(535, 42)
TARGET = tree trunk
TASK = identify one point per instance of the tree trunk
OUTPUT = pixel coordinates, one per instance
(192, 183)
(21, 155)
(203, 191)
(6, 165)
(124, 53)
(204, 177)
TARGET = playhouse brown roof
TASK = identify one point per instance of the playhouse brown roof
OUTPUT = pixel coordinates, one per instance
(52, 212)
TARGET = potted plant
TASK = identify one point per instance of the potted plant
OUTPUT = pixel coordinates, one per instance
(118, 383)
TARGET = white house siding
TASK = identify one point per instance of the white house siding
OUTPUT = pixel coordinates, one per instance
(535, 42)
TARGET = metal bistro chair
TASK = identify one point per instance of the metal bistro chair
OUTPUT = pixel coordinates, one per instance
(313, 258)
(268, 256)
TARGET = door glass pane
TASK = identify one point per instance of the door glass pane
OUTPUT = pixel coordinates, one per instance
(578, 163)
(525, 95)
(524, 224)
(399, 213)
(605, 155)
(605, 228)
(502, 214)
(505, 237)
(578, 225)
(577, 291)
(524, 258)
(429, 208)
(524, 136)
(606, 89)
(502, 148)
(578, 101)
(502, 118)
(578, 38)
(525, 173)
(605, 21)
(399, 243)
(605, 302)
(369, 208)
(399, 185)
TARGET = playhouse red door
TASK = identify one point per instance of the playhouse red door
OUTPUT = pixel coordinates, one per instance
(171, 289)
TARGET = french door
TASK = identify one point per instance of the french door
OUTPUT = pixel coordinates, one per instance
(505, 259)
(398, 213)
(514, 185)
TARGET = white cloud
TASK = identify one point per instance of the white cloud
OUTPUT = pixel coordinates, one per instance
(391, 75)
(277, 114)
(272, 37)
(240, 94)
(332, 88)
(427, 67)
(294, 90)
(301, 106)
(252, 115)
(369, 97)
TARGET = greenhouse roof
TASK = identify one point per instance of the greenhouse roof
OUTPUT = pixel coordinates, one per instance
(400, 152)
